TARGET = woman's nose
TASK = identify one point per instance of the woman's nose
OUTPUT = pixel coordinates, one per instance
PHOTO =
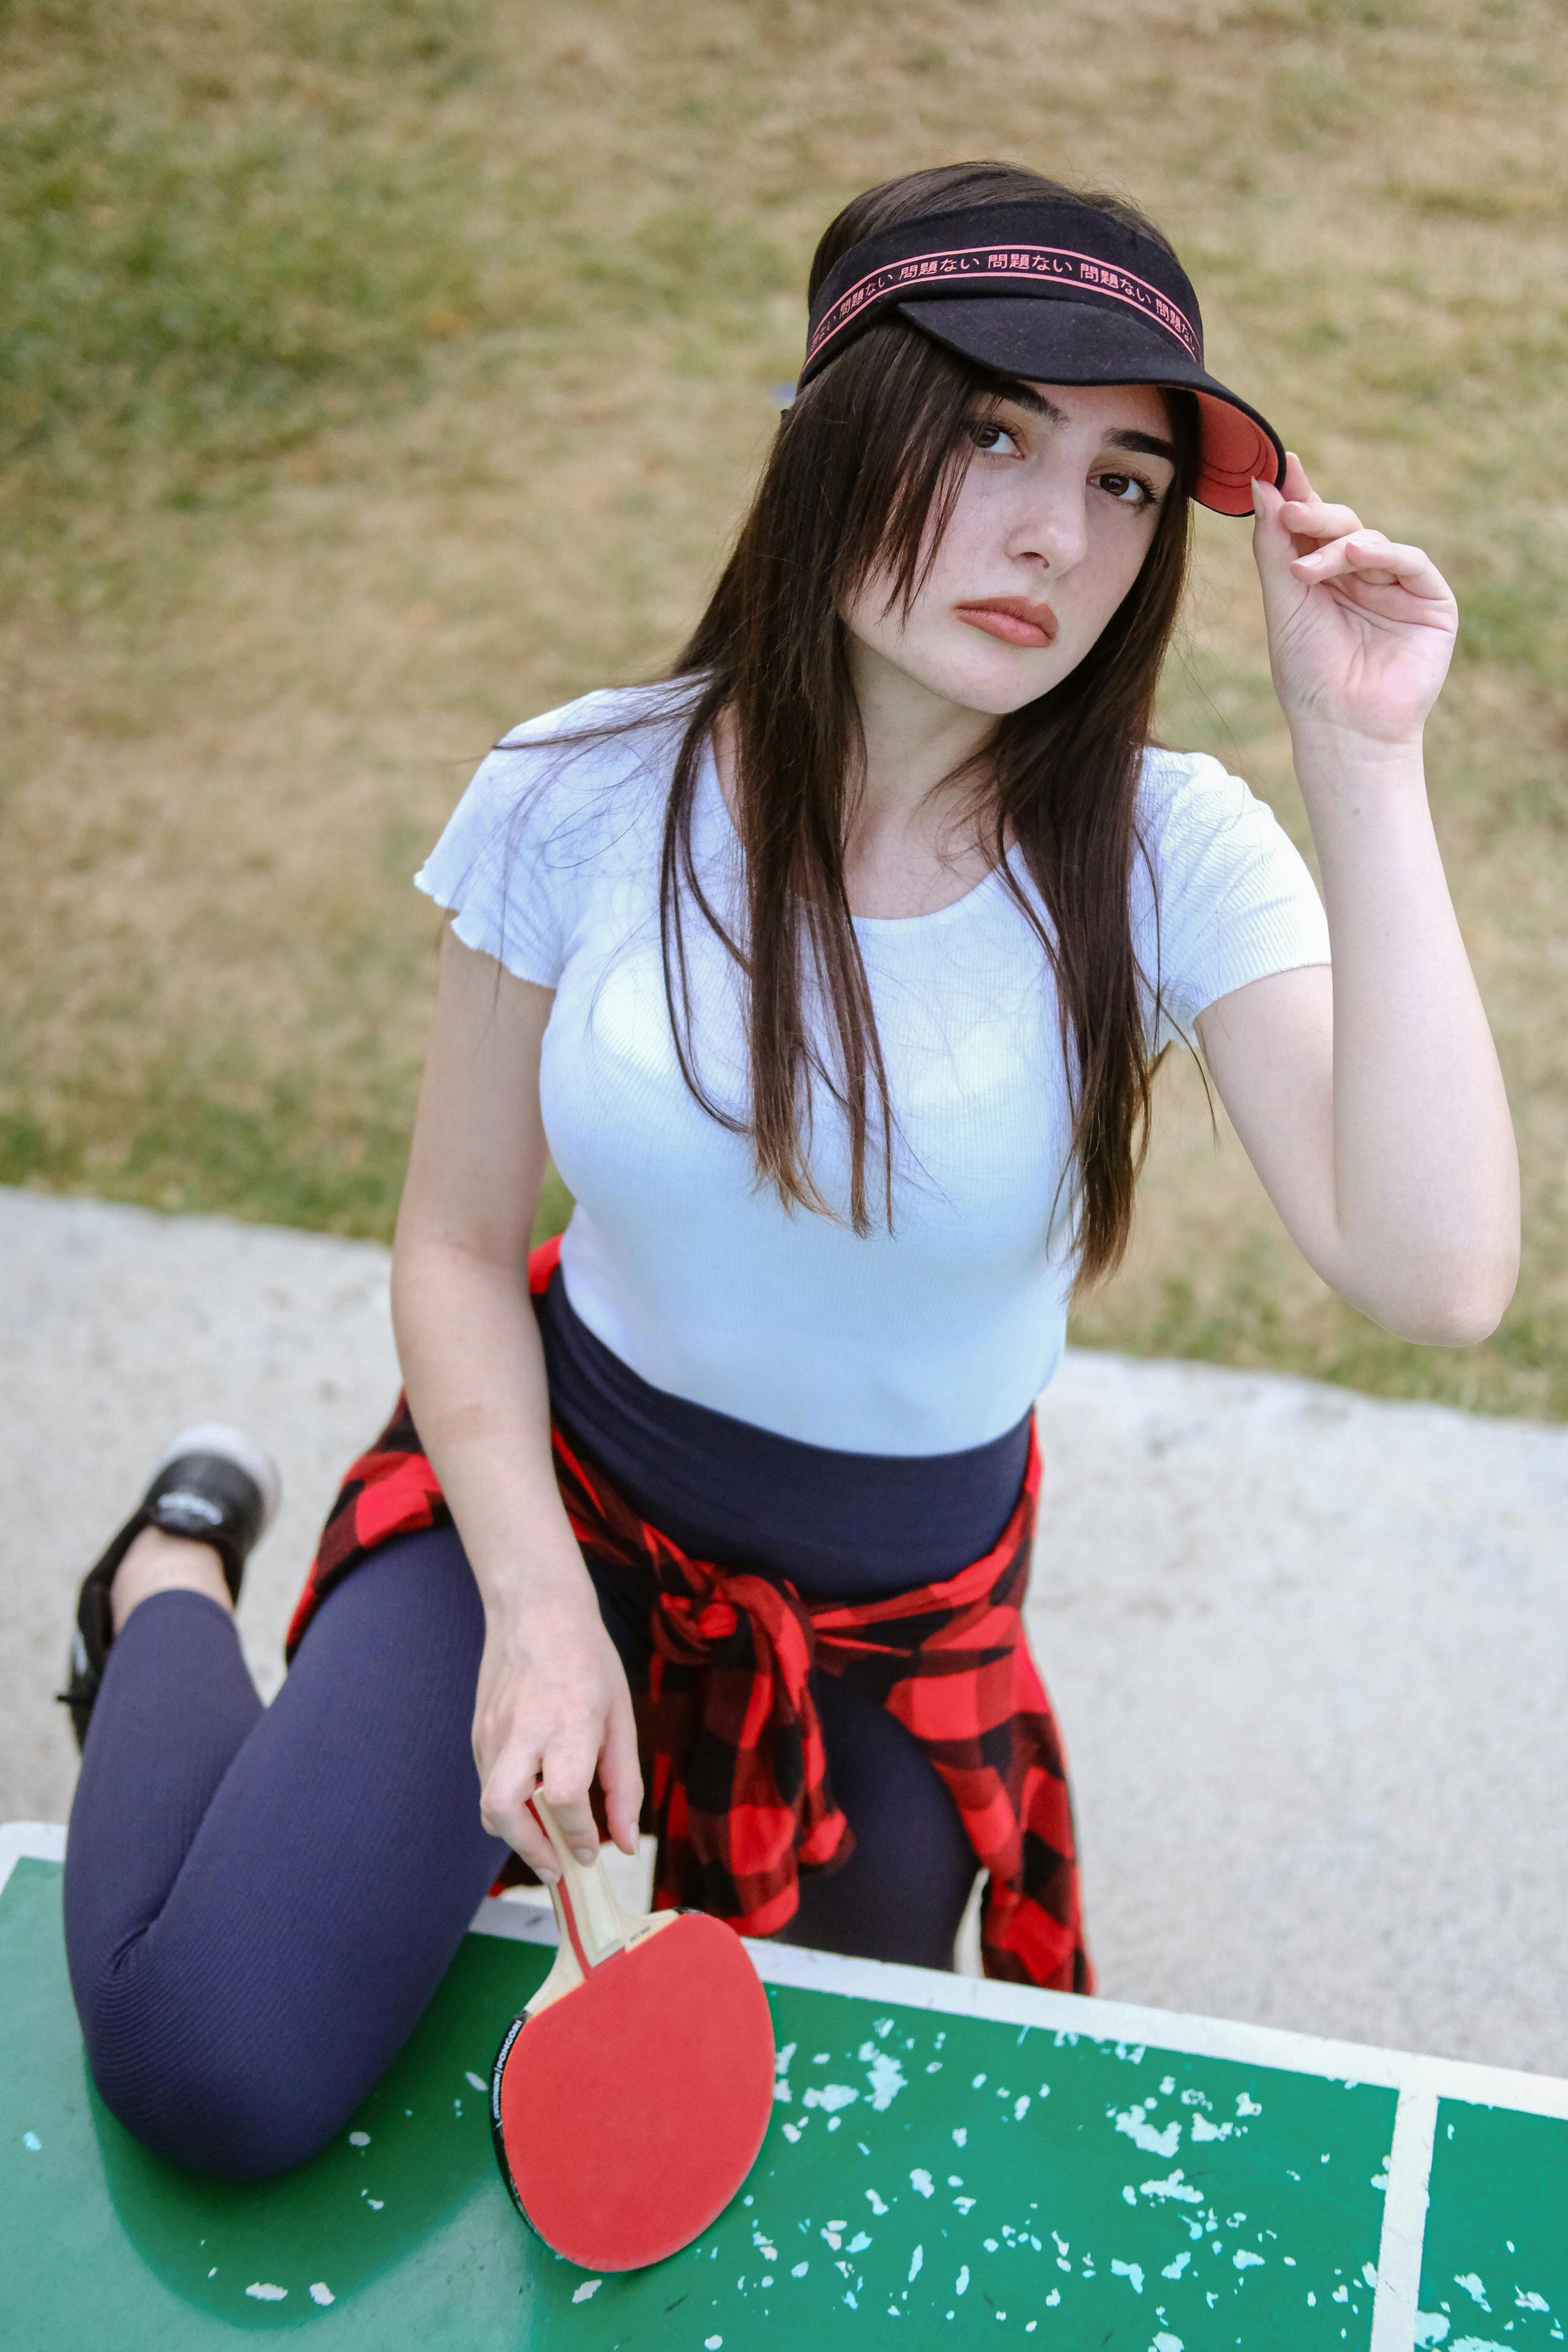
(1054, 528)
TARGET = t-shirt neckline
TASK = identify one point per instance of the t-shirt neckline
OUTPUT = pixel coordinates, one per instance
(884, 924)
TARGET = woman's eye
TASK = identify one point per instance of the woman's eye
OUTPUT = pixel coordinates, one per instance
(989, 436)
(1128, 490)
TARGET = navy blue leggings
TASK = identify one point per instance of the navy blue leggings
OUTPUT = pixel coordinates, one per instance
(260, 1902)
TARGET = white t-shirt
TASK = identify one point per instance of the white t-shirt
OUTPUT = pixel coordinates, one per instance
(932, 1339)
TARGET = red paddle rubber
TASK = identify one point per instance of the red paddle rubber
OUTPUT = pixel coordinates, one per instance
(631, 2097)
(627, 2112)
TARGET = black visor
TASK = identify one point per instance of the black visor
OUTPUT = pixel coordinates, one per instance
(1050, 292)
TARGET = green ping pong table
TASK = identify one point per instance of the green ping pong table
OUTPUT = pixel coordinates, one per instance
(950, 2163)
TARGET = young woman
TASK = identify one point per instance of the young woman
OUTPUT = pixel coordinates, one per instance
(833, 972)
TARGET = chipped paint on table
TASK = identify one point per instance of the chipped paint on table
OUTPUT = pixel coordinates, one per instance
(948, 2162)
(1494, 2276)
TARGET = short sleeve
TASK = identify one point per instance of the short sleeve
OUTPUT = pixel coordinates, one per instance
(509, 867)
(1235, 899)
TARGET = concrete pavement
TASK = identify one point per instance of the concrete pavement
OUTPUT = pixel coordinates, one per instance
(1309, 1650)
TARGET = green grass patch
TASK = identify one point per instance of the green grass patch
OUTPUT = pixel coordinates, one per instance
(192, 1136)
(206, 276)
(205, 265)
(1233, 1307)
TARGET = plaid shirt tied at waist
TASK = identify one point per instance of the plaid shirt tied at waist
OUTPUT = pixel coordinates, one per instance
(738, 1794)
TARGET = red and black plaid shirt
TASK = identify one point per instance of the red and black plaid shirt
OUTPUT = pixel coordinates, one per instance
(738, 1792)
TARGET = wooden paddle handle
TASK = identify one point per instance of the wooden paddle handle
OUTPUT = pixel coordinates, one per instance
(592, 1923)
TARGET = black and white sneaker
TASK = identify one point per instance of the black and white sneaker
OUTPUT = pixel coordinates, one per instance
(213, 1483)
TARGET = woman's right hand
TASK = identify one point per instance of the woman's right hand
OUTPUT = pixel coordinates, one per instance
(552, 1707)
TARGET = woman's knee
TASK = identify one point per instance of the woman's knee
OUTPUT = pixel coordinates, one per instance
(220, 2104)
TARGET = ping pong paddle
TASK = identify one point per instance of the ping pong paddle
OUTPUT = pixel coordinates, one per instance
(629, 2099)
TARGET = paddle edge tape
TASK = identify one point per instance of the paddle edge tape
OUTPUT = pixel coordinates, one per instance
(498, 2136)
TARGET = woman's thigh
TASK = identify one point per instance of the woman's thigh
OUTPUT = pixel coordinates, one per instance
(901, 1894)
(326, 1890)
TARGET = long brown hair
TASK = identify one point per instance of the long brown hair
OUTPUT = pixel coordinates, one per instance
(861, 481)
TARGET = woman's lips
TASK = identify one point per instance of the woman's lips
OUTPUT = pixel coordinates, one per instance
(1014, 619)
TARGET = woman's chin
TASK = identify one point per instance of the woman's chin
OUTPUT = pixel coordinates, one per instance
(998, 680)
(968, 668)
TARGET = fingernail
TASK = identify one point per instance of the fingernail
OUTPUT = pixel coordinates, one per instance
(546, 1873)
(586, 1854)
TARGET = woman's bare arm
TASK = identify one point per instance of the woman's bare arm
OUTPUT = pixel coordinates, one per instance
(1370, 1099)
(551, 1704)
(1369, 1104)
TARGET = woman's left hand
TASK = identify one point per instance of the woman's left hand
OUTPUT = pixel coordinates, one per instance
(1360, 629)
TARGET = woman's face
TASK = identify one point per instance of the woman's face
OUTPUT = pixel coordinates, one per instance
(1053, 520)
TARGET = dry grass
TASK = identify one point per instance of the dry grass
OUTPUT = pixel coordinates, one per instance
(381, 371)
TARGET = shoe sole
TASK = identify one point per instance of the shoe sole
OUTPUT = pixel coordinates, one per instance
(230, 1444)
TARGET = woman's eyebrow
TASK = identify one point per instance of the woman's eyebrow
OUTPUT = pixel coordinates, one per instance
(1024, 397)
(1143, 444)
